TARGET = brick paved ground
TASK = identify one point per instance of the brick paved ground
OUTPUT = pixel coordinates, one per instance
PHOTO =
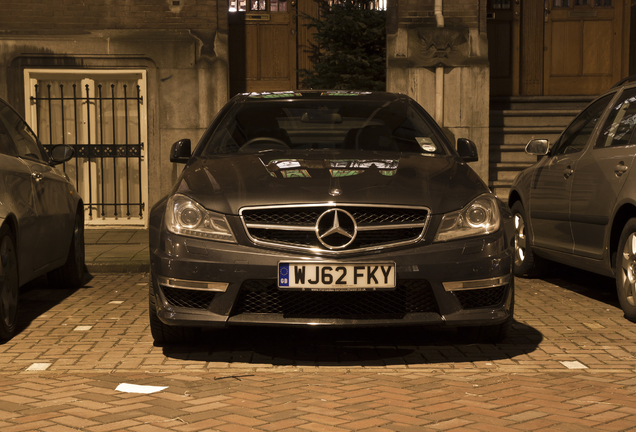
(569, 365)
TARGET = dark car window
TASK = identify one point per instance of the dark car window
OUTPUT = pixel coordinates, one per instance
(24, 140)
(332, 123)
(618, 129)
(578, 133)
(6, 143)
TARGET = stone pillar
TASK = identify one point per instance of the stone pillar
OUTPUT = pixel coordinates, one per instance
(444, 68)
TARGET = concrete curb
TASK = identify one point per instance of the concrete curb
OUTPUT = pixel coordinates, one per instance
(118, 267)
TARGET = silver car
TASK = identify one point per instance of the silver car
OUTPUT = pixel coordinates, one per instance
(577, 204)
(41, 217)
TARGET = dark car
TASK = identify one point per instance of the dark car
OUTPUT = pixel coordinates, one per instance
(329, 208)
(41, 216)
(577, 204)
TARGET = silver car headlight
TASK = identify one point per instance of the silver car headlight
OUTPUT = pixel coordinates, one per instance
(187, 217)
(479, 217)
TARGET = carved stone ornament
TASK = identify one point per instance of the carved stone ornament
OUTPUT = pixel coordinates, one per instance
(433, 46)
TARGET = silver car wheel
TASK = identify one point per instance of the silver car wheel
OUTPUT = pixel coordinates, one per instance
(520, 240)
(628, 266)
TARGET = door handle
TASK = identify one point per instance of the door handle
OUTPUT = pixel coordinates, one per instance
(37, 177)
(568, 172)
(620, 169)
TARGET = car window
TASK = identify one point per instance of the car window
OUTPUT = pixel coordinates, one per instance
(23, 138)
(578, 133)
(618, 129)
(326, 124)
(6, 143)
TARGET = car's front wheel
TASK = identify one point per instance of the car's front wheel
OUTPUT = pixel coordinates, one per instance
(524, 263)
(71, 274)
(488, 334)
(164, 334)
(9, 284)
(625, 270)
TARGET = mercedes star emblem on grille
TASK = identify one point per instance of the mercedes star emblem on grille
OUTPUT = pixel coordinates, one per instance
(336, 229)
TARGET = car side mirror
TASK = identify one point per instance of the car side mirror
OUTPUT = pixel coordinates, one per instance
(181, 151)
(538, 147)
(61, 153)
(467, 150)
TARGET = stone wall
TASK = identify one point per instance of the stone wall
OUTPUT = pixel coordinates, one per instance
(76, 16)
(182, 45)
(444, 67)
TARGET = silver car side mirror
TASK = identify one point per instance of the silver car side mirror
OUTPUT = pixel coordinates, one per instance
(538, 147)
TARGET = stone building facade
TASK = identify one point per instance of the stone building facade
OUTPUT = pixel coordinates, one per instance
(437, 53)
(175, 50)
(150, 72)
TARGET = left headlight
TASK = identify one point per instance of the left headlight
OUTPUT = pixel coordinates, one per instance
(479, 217)
(187, 217)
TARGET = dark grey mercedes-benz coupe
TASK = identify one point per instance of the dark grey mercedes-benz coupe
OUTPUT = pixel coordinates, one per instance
(329, 208)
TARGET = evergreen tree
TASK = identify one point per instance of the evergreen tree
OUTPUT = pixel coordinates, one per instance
(350, 48)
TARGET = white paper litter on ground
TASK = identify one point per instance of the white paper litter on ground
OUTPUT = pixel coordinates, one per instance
(134, 388)
(39, 367)
(573, 365)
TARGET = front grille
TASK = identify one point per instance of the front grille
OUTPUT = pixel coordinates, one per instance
(308, 215)
(282, 216)
(264, 297)
(296, 227)
(478, 298)
(186, 298)
(364, 239)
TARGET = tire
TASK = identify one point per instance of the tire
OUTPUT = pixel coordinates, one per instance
(525, 262)
(490, 334)
(625, 270)
(163, 334)
(9, 284)
(71, 274)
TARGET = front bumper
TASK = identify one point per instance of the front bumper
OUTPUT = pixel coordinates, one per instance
(210, 284)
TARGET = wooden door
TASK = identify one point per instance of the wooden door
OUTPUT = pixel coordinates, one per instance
(503, 47)
(262, 45)
(585, 49)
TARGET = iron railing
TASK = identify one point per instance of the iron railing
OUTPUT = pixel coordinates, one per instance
(88, 141)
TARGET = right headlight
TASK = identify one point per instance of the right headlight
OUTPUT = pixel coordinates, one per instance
(480, 217)
(187, 217)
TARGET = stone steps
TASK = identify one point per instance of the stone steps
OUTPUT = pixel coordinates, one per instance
(516, 120)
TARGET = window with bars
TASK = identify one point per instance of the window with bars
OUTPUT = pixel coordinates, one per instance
(103, 117)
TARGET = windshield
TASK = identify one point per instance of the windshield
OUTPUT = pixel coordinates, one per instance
(333, 124)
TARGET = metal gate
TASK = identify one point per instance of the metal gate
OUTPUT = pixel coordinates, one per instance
(102, 115)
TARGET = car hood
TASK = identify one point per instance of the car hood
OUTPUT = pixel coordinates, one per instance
(227, 183)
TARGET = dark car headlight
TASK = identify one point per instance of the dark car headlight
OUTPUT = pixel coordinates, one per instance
(479, 217)
(187, 217)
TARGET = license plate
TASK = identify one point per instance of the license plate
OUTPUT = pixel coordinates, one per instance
(327, 276)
